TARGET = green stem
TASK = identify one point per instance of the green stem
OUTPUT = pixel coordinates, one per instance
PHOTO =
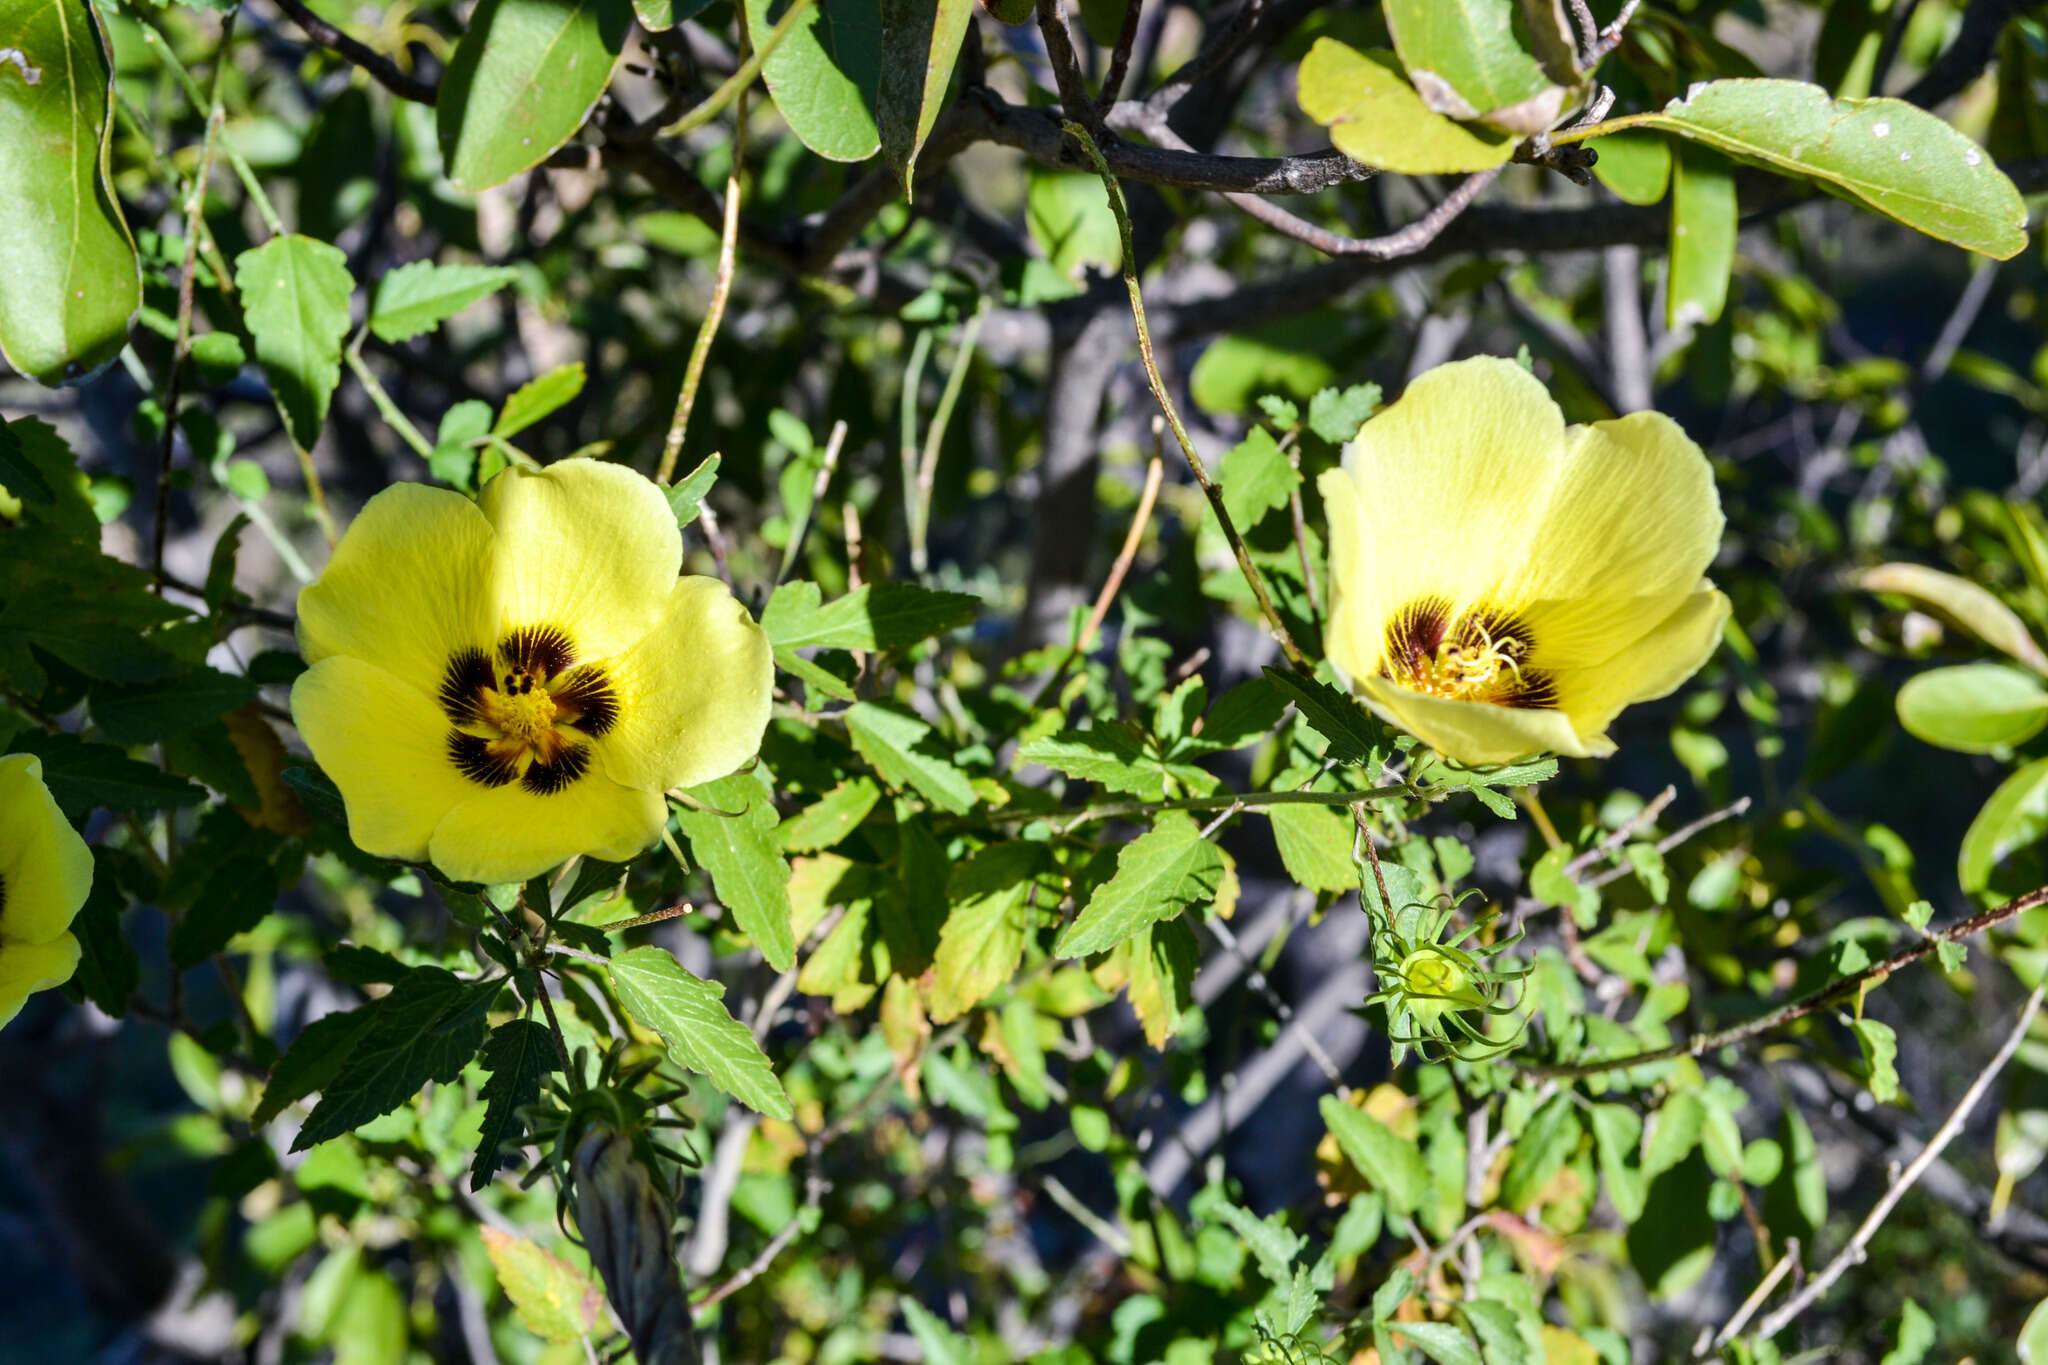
(913, 378)
(398, 420)
(1295, 657)
(928, 467)
(739, 80)
(1112, 810)
(153, 37)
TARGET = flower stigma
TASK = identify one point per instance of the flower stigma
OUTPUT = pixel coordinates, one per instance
(527, 712)
(1482, 657)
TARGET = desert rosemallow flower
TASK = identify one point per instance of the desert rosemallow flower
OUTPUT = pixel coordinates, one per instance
(1503, 585)
(498, 685)
(45, 875)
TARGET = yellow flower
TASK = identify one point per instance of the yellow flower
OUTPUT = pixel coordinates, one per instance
(1502, 584)
(499, 685)
(45, 873)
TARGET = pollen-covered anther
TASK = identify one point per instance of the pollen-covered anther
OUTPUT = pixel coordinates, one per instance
(530, 720)
(1482, 658)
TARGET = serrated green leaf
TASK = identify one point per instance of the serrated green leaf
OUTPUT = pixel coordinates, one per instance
(826, 74)
(1272, 1244)
(988, 919)
(1974, 708)
(234, 900)
(1880, 1045)
(523, 78)
(733, 837)
(1159, 965)
(1393, 1166)
(71, 284)
(420, 296)
(518, 1055)
(1315, 845)
(295, 300)
(1617, 1137)
(830, 818)
(108, 969)
(157, 711)
(1540, 1150)
(690, 1015)
(1375, 116)
(686, 495)
(903, 752)
(1257, 478)
(1159, 875)
(1440, 1341)
(538, 397)
(1110, 756)
(427, 1029)
(1886, 154)
(82, 775)
(313, 1059)
(1337, 414)
(1351, 730)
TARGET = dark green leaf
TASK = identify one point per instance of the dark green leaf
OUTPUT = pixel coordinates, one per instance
(524, 77)
(108, 970)
(83, 775)
(518, 1055)
(234, 900)
(903, 752)
(878, 616)
(156, 711)
(427, 1029)
(1354, 734)
(920, 43)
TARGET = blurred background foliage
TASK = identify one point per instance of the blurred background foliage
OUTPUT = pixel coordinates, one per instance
(1193, 1142)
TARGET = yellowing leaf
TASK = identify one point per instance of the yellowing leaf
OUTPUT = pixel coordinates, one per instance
(555, 1300)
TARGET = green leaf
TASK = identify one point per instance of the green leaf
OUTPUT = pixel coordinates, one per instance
(1617, 1136)
(1272, 1244)
(1915, 1339)
(109, 971)
(920, 44)
(1880, 1045)
(1675, 1132)
(830, 818)
(1703, 223)
(826, 75)
(1975, 708)
(314, 1058)
(295, 298)
(1972, 607)
(734, 839)
(1160, 964)
(556, 1301)
(518, 1054)
(686, 495)
(1068, 215)
(1465, 60)
(1352, 731)
(419, 297)
(235, 898)
(1885, 154)
(692, 1019)
(1440, 1341)
(1540, 1150)
(524, 77)
(873, 616)
(1315, 845)
(2015, 817)
(428, 1029)
(538, 397)
(900, 748)
(1337, 414)
(82, 775)
(2033, 1340)
(1375, 116)
(988, 919)
(156, 711)
(1111, 756)
(1392, 1165)
(1636, 166)
(1257, 479)
(1159, 875)
(37, 466)
(936, 1343)
(71, 284)
(1499, 1328)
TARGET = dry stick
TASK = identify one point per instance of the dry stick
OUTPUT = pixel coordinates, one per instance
(1714, 1341)
(380, 68)
(935, 434)
(1806, 1004)
(1120, 57)
(1278, 627)
(714, 312)
(195, 212)
(1133, 538)
(736, 84)
(1066, 66)
(1853, 1253)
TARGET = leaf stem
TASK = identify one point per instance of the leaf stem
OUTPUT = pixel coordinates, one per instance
(935, 434)
(1295, 657)
(398, 421)
(736, 84)
(1112, 810)
(154, 38)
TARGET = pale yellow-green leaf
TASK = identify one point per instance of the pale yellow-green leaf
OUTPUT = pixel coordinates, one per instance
(555, 1300)
(1375, 116)
(1972, 607)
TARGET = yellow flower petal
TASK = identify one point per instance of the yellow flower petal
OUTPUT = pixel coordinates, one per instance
(45, 868)
(587, 547)
(507, 834)
(1452, 480)
(693, 693)
(26, 968)
(385, 744)
(1355, 637)
(1479, 733)
(408, 585)
(1653, 666)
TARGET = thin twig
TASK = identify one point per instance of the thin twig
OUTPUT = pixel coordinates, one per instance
(1133, 538)
(1714, 1341)
(736, 84)
(1295, 657)
(1853, 1254)
(377, 66)
(1120, 57)
(935, 434)
(1798, 1009)
(1118, 810)
(1066, 66)
(714, 312)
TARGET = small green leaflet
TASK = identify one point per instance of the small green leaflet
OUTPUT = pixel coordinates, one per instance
(1880, 1044)
(830, 818)
(900, 747)
(1159, 875)
(691, 1017)
(295, 298)
(537, 398)
(518, 1054)
(733, 836)
(874, 616)
(1257, 479)
(1336, 415)
(427, 1029)
(686, 495)
(419, 297)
